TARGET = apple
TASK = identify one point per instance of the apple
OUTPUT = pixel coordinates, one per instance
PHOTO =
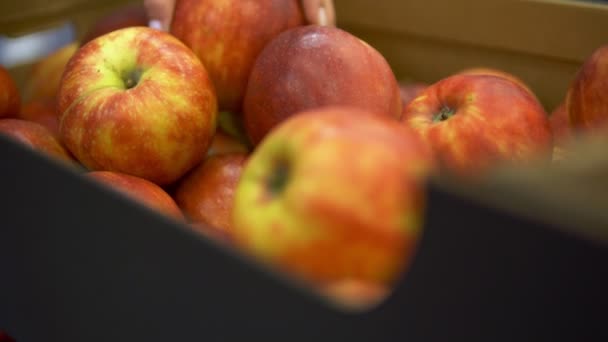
(586, 100)
(10, 99)
(410, 90)
(206, 195)
(473, 122)
(42, 81)
(333, 194)
(223, 143)
(314, 66)
(499, 73)
(228, 35)
(122, 17)
(43, 112)
(35, 136)
(139, 189)
(355, 294)
(137, 101)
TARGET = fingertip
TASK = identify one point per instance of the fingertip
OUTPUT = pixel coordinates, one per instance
(156, 24)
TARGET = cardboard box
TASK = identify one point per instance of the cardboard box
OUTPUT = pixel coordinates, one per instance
(519, 256)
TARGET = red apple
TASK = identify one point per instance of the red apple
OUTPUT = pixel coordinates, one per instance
(43, 112)
(206, 195)
(139, 189)
(42, 82)
(587, 100)
(122, 17)
(473, 122)
(223, 143)
(10, 99)
(410, 90)
(137, 101)
(36, 137)
(498, 73)
(334, 194)
(314, 66)
(228, 35)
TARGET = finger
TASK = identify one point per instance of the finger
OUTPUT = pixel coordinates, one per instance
(311, 10)
(160, 13)
(330, 13)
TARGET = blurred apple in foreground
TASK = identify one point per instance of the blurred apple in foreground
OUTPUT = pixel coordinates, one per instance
(314, 66)
(42, 82)
(206, 195)
(122, 17)
(334, 194)
(137, 101)
(228, 35)
(43, 112)
(355, 294)
(141, 190)
(10, 99)
(587, 98)
(474, 122)
(36, 137)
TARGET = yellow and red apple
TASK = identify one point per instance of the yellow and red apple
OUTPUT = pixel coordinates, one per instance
(334, 194)
(228, 35)
(474, 122)
(139, 189)
(309, 67)
(42, 82)
(137, 101)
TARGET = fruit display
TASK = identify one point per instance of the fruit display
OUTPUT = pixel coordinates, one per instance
(295, 144)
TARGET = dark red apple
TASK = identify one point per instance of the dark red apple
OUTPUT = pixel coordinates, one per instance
(35, 136)
(10, 99)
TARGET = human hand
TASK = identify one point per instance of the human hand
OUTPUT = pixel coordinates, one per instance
(318, 12)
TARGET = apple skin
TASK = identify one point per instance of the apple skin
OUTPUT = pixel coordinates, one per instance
(499, 73)
(314, 66)
(223, 143)
(308, 200)
(140, 190)
(228, 36)
(587, 100)
(43, 112)
(36, 137)
(493, 121)
(42, 82)
(10, 98)
(206, 195)
(122, 17)
(137, 101)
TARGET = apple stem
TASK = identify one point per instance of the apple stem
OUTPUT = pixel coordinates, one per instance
(444, 114)
(132, 78)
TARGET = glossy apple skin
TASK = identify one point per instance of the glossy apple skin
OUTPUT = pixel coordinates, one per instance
(494, 121)
(228, 36)
(42, 82)
(308, 201)
(157, 129)
(43, 112)
(587, 97)
(123, 17)
(36, 137)
(315, 66)
(141, 190)
(206, 195)
(10, 99)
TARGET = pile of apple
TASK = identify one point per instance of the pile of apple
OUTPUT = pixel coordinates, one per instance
(293, 143)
